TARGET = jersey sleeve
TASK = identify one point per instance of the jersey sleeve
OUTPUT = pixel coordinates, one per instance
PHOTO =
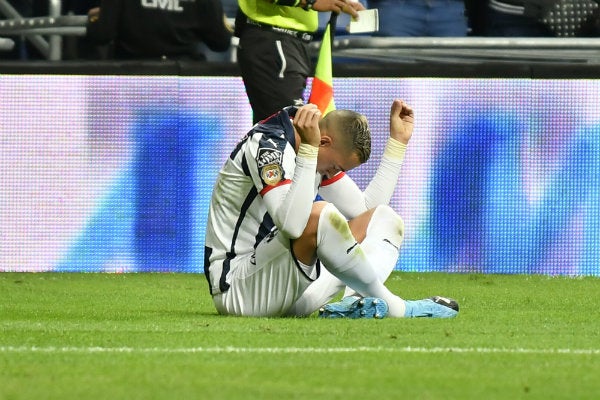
(343, 192)
(284, 180)
(381, 188)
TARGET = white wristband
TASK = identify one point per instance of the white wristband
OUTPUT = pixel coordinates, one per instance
(308, 151)
(394, 149)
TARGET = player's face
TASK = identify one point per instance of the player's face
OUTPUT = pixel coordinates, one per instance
(332, 160)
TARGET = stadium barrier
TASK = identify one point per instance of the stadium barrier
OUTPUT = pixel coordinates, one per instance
(463, 50)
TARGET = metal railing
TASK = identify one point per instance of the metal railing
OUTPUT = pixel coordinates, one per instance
(464, 49)
(6, 44)
(51, 48)
(64, 25)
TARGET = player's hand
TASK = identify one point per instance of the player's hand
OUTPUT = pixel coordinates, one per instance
(401, 121)
(339, 6)
(94, 14)
(306, 123)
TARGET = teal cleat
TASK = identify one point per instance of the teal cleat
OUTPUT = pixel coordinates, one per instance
(435, 307)
(355, 307)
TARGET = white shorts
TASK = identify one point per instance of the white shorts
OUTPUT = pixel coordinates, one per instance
(266, 283)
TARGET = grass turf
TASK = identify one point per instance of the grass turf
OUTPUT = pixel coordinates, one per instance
(157, 336)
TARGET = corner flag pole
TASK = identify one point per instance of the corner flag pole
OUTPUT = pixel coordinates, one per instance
(321, 92)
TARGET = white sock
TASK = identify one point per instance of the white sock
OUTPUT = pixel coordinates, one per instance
(345, 258)
(385, 234)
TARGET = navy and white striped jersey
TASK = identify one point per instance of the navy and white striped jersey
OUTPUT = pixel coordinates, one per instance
(263, 160)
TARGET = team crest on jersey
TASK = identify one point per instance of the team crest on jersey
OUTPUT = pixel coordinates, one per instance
(268, 156)
(271, 174)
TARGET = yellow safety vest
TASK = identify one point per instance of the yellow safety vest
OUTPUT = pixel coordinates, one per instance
(295, 18)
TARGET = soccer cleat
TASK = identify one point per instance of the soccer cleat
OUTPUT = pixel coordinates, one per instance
(355, 307)
(435, 307)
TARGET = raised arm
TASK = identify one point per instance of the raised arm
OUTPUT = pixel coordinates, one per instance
(402, 118)
(381, 188)
(290, 205)
(346, 195)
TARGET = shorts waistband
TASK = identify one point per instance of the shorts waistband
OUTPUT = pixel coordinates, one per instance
(304, 36)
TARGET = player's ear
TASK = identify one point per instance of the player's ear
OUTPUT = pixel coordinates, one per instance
(325, 141)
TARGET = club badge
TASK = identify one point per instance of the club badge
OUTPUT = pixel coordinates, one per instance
(271, 174)
(268, 156)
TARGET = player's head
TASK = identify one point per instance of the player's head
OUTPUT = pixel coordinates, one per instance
(345, 141)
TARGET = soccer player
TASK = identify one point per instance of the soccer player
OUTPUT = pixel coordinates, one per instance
(272, 250)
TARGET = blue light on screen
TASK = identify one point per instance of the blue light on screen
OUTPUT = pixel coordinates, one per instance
(115, 173)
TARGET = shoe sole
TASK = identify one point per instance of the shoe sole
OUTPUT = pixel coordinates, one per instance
(445, 301)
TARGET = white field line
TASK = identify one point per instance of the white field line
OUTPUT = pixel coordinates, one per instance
(292, 350)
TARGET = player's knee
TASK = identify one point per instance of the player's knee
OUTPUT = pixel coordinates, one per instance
(387, 223)
(396, 221)
(313, 219)
(315, 212)
(318, 207)
(331, 218)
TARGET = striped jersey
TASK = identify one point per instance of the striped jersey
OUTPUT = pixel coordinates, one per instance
(238, 219)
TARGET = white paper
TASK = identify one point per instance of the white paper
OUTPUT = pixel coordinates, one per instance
(368, 21)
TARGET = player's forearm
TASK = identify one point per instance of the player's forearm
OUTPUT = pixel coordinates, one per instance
(381, 188)
(295, 204)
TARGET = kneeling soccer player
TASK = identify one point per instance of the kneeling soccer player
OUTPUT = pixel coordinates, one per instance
(272, 250)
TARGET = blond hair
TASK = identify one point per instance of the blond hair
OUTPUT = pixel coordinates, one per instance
(353, 130)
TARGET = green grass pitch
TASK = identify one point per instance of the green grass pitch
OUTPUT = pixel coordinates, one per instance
(157, 336)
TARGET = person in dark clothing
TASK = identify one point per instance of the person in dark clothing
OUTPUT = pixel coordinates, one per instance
(149, 29)
(443, 18)
(510, 18)
(542, 18)
(273, 52)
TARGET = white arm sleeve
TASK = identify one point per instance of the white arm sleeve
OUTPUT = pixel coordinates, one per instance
(290, 205)
(343, 192)
(381, 188)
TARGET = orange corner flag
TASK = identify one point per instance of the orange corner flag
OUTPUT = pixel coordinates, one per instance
(321, 92)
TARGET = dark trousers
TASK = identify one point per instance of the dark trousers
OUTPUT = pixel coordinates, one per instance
(274, 67)
(507, 25)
